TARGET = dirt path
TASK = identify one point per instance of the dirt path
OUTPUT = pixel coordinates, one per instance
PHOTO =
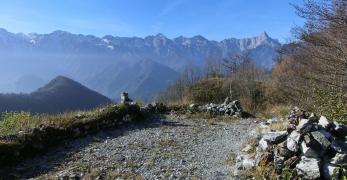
(164, 148)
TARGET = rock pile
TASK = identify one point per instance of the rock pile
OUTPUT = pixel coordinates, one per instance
(154, 107)
(312, 147)
(232, 108)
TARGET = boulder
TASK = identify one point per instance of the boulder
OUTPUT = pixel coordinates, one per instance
(325, 133)
(293, 141)
(339, 146)
(244, 162)
(321, 139)
(339, 159)
(275, 137)
(263, 144)
(323, 122)
(340, 130)
(308, 168)
(311, 152)
(302, 124)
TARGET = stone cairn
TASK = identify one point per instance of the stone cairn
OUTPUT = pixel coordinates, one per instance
(231, 108)
(312, 147)
(125, 98)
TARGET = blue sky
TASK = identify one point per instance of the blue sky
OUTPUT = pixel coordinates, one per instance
(213, 19)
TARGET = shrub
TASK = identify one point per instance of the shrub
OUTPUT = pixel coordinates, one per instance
(331, 105)
(207, 91)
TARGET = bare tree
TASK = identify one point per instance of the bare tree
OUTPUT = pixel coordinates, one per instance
(213, 67)
(324, 36)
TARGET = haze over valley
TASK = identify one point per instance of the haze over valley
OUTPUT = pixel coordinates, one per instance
(111, 65)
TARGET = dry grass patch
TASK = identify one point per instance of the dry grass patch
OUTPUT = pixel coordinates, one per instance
(231, 159)
(262, 172)
(275, 111)
(279, 126)
(167, 143)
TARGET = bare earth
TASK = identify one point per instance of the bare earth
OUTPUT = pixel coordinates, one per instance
(168, 147)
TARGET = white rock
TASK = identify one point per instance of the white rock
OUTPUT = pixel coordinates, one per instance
(308, 168)
(339, 159)
(302, 123)
(263, 144)
(244, 162)
(323, 121)
(293, 140)
(328, 171)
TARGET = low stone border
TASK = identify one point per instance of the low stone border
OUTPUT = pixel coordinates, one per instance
(14, 148)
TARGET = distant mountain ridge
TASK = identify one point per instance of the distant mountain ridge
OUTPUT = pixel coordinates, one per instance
(86, 57)
(60, 95)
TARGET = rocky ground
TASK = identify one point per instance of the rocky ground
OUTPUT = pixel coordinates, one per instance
(169, 147)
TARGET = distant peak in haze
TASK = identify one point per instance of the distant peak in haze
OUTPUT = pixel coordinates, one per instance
(263, 35)
(160, 35)
(60, 82)
(60, 33)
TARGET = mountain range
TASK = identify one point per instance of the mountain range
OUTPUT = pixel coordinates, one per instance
(110, 65)
(60, 95)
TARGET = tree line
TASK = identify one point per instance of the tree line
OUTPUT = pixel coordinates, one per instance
(310, 72)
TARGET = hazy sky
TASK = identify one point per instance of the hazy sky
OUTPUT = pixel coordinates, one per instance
(214, 19)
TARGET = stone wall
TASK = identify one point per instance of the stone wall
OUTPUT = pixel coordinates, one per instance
(14, 148)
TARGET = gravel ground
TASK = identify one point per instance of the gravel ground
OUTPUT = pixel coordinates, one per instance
(169, 147)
